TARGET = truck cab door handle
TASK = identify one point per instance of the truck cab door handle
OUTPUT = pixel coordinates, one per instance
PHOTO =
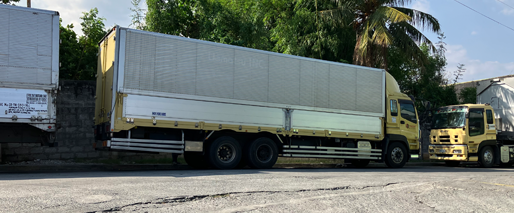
(402, 122)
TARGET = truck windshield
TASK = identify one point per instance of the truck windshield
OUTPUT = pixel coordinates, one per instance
(449, 117)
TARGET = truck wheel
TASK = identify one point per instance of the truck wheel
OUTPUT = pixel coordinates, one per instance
(396, 155)
(224, 153)
(486, 157)
(451, 163)
(359, 163)
(262, 153)
(196, 160)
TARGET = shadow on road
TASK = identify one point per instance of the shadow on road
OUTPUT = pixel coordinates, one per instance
(184, 173)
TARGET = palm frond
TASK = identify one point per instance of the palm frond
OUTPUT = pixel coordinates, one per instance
(409, 46)
(421, 19)
(390, 14)
(381, 36)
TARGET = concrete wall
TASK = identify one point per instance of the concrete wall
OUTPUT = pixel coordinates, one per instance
(74, 139)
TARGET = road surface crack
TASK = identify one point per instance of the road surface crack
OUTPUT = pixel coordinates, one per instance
(184, 199)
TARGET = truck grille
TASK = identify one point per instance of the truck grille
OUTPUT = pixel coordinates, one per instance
(444, 138)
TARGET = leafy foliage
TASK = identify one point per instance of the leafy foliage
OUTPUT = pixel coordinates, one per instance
(381, 24)
(78, 55)
(68, 52)
(11, 2)
(426, 83)
(138, 16)
(468, 95)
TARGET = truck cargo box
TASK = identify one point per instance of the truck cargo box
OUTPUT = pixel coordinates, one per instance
(499, 93)
(29, 66)
(164, 77)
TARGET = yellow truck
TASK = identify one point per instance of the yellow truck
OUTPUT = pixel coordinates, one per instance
(226, 106)
(467, 133)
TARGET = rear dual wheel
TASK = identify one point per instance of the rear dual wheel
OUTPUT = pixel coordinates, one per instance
(261, 153)
(224, 153)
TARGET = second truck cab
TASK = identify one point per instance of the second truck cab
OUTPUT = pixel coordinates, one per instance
(465, 133)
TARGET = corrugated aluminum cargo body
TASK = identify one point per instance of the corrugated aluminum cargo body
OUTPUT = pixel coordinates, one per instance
(29, 65)
(165, 77)
(499, 93)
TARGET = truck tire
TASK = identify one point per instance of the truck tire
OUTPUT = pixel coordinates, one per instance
(451, 163)
(486, 157)
(262, 153)
(195, 160)
(224, 153)
(396, 155)
(357, 163)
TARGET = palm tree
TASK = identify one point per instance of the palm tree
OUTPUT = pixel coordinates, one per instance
(380, 24)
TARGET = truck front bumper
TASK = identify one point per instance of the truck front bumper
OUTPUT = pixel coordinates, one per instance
(448, 152)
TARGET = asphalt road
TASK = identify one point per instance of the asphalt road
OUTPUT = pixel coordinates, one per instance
(410, 189)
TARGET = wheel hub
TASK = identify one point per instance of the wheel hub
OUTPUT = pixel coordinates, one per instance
(488, 156)
(226, 153)
(264, 153)
(397, 155)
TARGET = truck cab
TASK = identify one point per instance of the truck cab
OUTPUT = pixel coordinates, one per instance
(465, 133)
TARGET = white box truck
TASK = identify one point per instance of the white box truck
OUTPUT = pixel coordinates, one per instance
(29, 73)
(226, 106)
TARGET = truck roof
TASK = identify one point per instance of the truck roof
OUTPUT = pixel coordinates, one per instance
(28, 9)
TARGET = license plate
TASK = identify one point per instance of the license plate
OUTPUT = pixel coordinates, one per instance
(442, 151)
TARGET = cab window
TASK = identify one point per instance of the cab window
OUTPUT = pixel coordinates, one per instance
(394, 108)
(476, 122)
(408, 111)
(489, 116)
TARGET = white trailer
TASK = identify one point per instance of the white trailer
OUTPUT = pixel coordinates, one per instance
(499, 93)
(162, 93)
(29, 72)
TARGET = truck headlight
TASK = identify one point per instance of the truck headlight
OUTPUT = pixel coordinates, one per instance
(431, 150)
(457, 151)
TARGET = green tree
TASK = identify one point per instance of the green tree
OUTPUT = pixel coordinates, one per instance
(295, 29)
(138, 15)
(11, 2)
(425, 82)
(222, 21)
(93, 30)
(78, 55)
(380, 24)
(177, 17)
(468, 95)
(68, 52)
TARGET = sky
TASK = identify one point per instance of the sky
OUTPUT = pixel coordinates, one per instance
(485, 47)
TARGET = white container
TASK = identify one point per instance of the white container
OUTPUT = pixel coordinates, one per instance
(29, 66)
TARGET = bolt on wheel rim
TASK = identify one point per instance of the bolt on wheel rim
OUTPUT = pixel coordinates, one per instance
(488, 156)
(264, 153)
(226, 153)
(397, 155)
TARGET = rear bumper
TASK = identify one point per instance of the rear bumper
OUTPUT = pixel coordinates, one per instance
(449, 152)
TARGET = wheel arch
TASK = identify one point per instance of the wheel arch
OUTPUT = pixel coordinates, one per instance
(391, 138)
(494, 145)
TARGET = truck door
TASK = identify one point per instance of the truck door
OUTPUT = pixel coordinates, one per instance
(392, 123)
(490, 127)
(476, 124)
(409, 123)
